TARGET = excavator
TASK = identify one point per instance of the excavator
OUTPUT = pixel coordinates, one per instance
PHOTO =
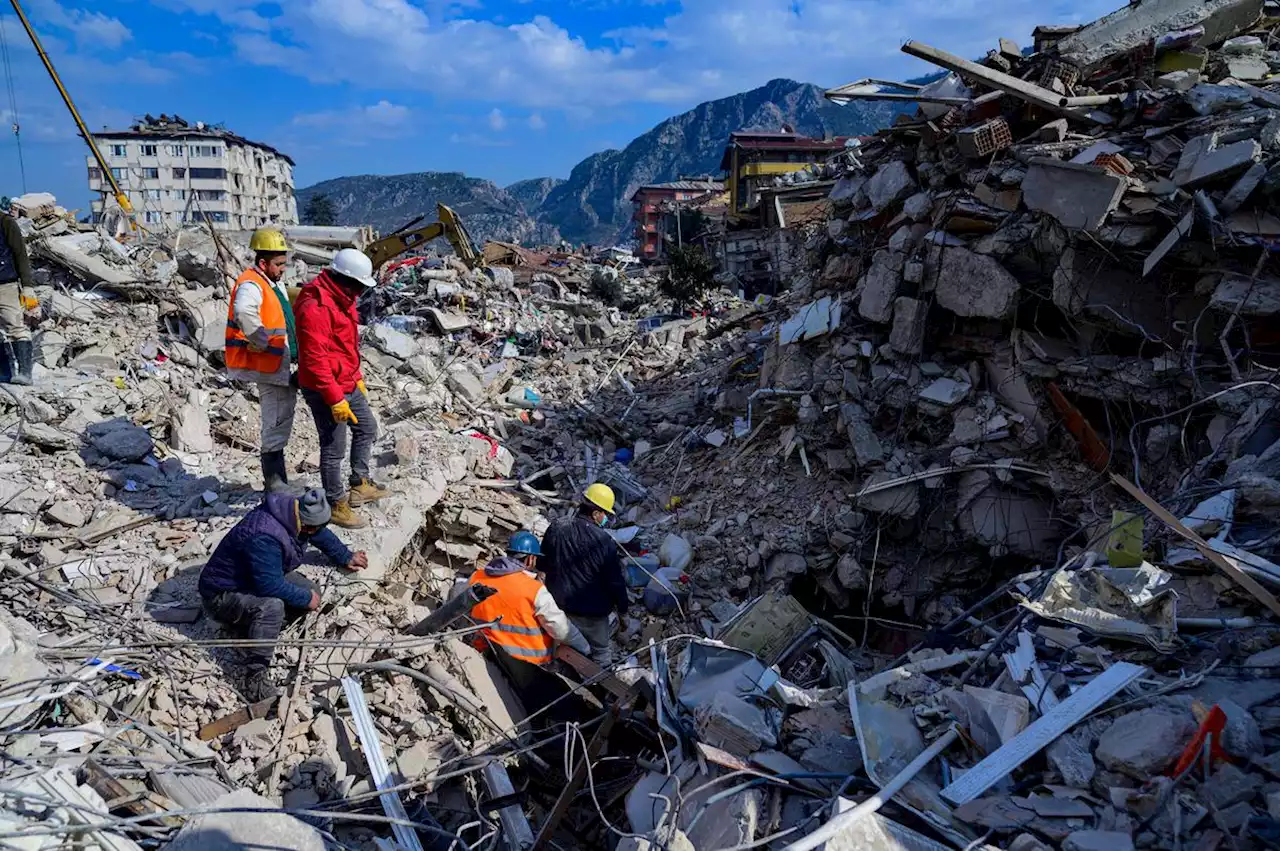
(449, 226)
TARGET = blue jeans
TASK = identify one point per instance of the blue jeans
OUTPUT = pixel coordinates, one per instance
(333, 442)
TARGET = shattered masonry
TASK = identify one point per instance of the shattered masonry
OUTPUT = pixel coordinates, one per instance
(977, 508)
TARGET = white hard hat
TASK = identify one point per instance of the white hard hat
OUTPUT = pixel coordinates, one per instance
(355, 265)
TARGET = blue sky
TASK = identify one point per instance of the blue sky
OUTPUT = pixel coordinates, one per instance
(502, 89)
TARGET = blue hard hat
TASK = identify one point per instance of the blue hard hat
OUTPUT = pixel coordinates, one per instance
(525, 543)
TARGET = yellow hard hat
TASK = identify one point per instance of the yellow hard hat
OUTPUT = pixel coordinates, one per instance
(601, 496)
(268, 239)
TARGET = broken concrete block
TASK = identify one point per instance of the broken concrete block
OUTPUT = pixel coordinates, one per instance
(867, 448)
(237, 829)
(1134, 26)
(1179, 81)
(1270, 137)
(782, 565)
(96, 359)
(879, 287)
(850, 573)
(189, 429)
(919, 207)
(1204, 161)
(392, 342)
(971, 284)
(945, 392)
(49, 346)
(1098, 840)
(892, 183)
(901, 501)
(67, 513)
(1242, 737)
(1054, 131)
(1240, 294)
(1072, 759)
(1230, 786)
(464, 383)
(47, 437)
(1146, 742)
(907, 335)
(1080, 197)
(1243, 188)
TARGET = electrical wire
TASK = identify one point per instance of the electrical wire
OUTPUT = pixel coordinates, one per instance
(13, 102)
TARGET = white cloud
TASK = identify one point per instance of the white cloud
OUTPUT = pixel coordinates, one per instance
(241, 14)
(382, 120)
(88, 28)
(704, 49)
(497, 121)
(537, 122)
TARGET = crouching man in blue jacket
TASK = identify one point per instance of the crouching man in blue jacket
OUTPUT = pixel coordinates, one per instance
(249, 583)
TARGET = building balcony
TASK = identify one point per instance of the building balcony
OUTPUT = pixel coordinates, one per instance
(763, 169)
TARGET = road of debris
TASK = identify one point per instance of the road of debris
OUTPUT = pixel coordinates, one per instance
(975, 517)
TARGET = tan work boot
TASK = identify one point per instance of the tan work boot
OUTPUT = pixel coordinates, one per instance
(345, 517)
(367, 491)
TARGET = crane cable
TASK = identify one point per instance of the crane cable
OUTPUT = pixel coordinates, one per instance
(13, 102)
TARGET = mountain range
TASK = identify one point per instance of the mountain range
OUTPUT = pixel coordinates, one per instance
(594, 204)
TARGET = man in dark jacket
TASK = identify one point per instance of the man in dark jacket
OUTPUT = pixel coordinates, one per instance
(333, 384)
(584, 571)
(16, 352)
(249, 583)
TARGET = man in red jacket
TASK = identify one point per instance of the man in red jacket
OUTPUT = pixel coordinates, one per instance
(332, 383)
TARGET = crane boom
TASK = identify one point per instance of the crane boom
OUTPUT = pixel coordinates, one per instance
(121, 198)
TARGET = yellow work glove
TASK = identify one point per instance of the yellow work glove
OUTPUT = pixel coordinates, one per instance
(364, 391)
(342, 412)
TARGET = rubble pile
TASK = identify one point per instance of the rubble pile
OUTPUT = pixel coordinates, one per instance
(964, 539)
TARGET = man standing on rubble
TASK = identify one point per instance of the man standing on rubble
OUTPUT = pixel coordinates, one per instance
(528, 620)
(262, 346)
(584, 571)
(250, 583)
(333, 384)
(15, 273)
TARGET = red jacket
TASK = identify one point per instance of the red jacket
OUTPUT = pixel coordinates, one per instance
(328, 339)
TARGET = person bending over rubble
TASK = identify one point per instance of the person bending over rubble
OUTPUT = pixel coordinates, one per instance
(531, 622)
(262, 346)
(584, 571)
(250, 582)
(332, 383)
(16, 353)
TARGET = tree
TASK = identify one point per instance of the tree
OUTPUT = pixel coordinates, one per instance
(320, 211)
(690, 273)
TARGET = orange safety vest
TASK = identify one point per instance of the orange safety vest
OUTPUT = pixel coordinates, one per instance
(239, 355)
(519, 633)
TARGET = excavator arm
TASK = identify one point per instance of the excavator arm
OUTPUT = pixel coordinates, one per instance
(449, 226)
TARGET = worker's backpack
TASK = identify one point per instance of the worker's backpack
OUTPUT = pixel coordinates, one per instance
(8, 264)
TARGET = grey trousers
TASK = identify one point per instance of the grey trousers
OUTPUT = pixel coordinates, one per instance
(278, 406)
(333, 442)
(259, 618)
(599, 635)
(13, 325)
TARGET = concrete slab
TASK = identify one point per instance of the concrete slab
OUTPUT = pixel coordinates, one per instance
(1080, 197)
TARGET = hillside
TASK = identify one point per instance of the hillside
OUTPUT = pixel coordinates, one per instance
(532, 193)
(593, 204)
(387, 202)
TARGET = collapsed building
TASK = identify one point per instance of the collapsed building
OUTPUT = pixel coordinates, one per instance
(975, 520)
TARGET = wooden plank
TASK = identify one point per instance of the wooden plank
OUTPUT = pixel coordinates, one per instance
(589, 670)
(236, 719)
(1048, 100)
(1220, 561)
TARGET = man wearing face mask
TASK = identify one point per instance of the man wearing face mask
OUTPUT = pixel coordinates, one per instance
(250, 583)
(584, 571)
(333, 385)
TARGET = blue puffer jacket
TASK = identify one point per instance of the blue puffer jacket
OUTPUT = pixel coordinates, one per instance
(268, 543)
(583, 568)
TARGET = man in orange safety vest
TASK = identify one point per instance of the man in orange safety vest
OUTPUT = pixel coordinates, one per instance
(531, 621)
(262, 346)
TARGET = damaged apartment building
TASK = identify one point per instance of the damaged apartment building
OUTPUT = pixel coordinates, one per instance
(964, 538)
(175, 172)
